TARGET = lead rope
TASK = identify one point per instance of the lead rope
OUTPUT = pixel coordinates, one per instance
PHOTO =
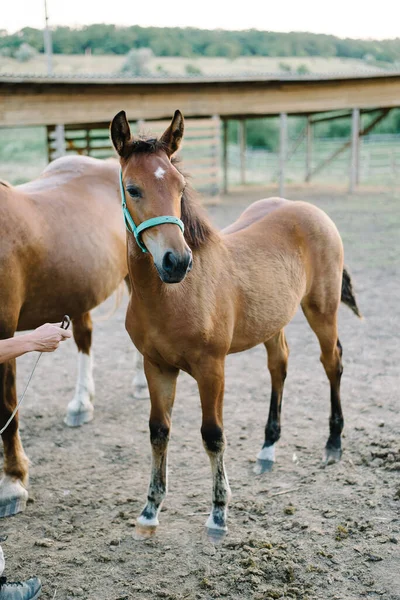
(64, 325)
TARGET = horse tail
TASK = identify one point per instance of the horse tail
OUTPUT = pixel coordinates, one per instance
(348, 296)
(118, 295)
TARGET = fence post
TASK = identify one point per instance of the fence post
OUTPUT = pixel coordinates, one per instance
(140, 123)
(242, 145)
(216, 153)
(355, 146)
(282, 152)
(59, 141)
(309, 134)
(225, 155)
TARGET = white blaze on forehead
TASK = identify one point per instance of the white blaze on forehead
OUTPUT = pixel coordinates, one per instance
(159, 173)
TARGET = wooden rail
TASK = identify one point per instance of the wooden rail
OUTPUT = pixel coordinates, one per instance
(200, 148)
(41, 101)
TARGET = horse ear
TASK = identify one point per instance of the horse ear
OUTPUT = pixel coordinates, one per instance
(172, 137)
(120, 132)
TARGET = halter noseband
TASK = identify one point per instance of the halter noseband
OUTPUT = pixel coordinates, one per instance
(138, 229)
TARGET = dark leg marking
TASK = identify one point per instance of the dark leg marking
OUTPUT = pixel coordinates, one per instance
(333, 449)
(278, 353)
(214, 443)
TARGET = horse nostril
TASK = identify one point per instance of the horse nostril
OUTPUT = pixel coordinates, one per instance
(169, 262)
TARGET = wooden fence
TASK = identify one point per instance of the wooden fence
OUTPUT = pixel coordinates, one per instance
(200, 150)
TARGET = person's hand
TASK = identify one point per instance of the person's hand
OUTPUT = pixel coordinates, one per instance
(47, 338)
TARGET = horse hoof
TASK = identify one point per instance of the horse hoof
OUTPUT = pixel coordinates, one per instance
(265, 460)
(263, 466)
(332, 456)
(76, 419)
(216, 525)
(13, 496)
(144, 532)
(215, 536)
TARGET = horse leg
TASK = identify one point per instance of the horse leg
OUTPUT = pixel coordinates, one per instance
(140, 387)
(211, 383)
(13, 493)
(278, 353)
(139, 383)
(161, 379)
(325, 328)
(80, 409)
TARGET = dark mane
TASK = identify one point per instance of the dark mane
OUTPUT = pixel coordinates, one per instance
(198, 229)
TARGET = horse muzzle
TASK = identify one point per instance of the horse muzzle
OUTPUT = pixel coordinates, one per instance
(174, 266)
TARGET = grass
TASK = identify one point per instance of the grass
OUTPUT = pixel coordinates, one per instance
(23, 153)
(81, 64)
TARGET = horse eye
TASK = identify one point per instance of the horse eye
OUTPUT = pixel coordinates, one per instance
(134, 192)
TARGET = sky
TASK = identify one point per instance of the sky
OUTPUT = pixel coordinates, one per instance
(343, 18)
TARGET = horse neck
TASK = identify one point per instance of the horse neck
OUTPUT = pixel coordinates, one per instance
(207, 261)
(146, 283)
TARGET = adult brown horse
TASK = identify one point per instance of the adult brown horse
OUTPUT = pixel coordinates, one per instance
(245, 286)
(62, 251)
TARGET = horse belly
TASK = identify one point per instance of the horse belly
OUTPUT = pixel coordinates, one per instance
(70, 287)
(265, 311)
(253, 332)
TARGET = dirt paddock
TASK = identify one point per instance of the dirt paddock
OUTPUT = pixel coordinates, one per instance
(300, 532)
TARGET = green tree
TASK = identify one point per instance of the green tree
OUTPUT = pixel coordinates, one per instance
(191, 69)
(175, 41)
(25, 53)
(285, 67)
(137, 62)
(161, 70)
(302, 70)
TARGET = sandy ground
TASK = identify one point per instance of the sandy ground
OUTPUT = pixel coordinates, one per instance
(300, 532)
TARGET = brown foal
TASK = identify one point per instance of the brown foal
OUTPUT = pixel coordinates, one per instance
(245, 286)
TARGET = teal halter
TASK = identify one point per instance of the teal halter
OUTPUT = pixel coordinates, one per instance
(138, 229)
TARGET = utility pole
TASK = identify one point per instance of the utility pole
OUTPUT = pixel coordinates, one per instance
(47, 42)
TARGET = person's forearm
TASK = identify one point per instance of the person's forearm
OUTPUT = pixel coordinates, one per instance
(16, 346)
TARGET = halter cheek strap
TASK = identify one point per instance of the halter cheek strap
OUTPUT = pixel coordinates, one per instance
(137, 230)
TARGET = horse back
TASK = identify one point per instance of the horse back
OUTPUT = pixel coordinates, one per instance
(69, 171)
(282, 227)
(282, 251)
(63, 238)
(255, 212)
